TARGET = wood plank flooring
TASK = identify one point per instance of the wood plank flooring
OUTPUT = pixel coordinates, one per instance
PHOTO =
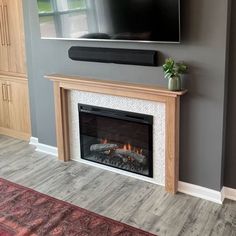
(137, 203)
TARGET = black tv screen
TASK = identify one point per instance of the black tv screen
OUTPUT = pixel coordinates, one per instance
(135, 20)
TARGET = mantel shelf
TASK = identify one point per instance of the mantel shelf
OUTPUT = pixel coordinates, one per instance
(148, 89)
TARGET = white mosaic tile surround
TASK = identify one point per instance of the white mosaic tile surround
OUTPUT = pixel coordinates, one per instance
(156, 109)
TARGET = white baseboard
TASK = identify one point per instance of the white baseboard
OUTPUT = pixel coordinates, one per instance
(201, 192)
(229, 193)
(34, 141)
(40, 147)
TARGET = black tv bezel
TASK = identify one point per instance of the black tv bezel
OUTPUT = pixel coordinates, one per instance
(122, 40)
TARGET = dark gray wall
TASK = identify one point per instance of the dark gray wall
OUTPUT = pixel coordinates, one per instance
(203, 47)
(230, 157)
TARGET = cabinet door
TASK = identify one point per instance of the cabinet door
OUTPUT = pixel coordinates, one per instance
(14, 34)
(18, 102)
(4, 108)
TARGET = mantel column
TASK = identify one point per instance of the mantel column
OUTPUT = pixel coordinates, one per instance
(62, 124)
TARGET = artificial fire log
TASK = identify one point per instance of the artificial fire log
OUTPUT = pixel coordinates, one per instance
(103, 147)
(122, 157)
(127, 153)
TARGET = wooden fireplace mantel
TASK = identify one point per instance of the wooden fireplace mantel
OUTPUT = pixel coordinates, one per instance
(63, 84)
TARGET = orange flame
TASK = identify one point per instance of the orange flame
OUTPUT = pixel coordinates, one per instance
(127, 147)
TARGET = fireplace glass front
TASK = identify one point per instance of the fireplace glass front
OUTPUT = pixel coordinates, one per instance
(118, 139)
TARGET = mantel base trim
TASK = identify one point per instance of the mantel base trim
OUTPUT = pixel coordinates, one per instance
(229, 193)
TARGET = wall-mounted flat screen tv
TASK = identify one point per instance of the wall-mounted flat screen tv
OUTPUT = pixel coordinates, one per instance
(124, 20)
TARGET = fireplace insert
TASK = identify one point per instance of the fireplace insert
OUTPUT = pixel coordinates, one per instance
(118, 139)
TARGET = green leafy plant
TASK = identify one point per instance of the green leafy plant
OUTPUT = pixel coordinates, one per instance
(173, 69)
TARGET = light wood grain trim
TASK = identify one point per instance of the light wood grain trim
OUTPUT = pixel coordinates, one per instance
(123, 92)
(4, 24)
(9, 94)
(15, 134)
(4, 92)
(5, 12)
(172, 145)
(172, 100)
(13, 74)
(14, 79)
(98, 85)
(62, 124)
(1, 26)
(3, 38)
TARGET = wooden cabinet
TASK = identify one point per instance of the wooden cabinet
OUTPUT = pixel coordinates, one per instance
(12, 46)
(14, 99)
(14, 107)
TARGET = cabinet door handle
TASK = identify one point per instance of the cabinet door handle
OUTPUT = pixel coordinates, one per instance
(4, 94)
(2, 26)
(6, 25)
(9, 97)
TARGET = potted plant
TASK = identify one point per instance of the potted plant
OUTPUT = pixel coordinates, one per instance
(173, 72)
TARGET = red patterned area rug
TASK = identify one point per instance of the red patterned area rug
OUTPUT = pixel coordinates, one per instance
(25, 212)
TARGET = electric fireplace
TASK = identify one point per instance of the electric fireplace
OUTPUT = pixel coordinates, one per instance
(118, 139)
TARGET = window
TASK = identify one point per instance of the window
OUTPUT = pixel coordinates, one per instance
(63, 18)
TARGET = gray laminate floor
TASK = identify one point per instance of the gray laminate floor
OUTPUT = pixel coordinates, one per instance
(125, 199)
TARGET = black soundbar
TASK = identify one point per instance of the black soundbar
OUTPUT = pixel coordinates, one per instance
(113, 55)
